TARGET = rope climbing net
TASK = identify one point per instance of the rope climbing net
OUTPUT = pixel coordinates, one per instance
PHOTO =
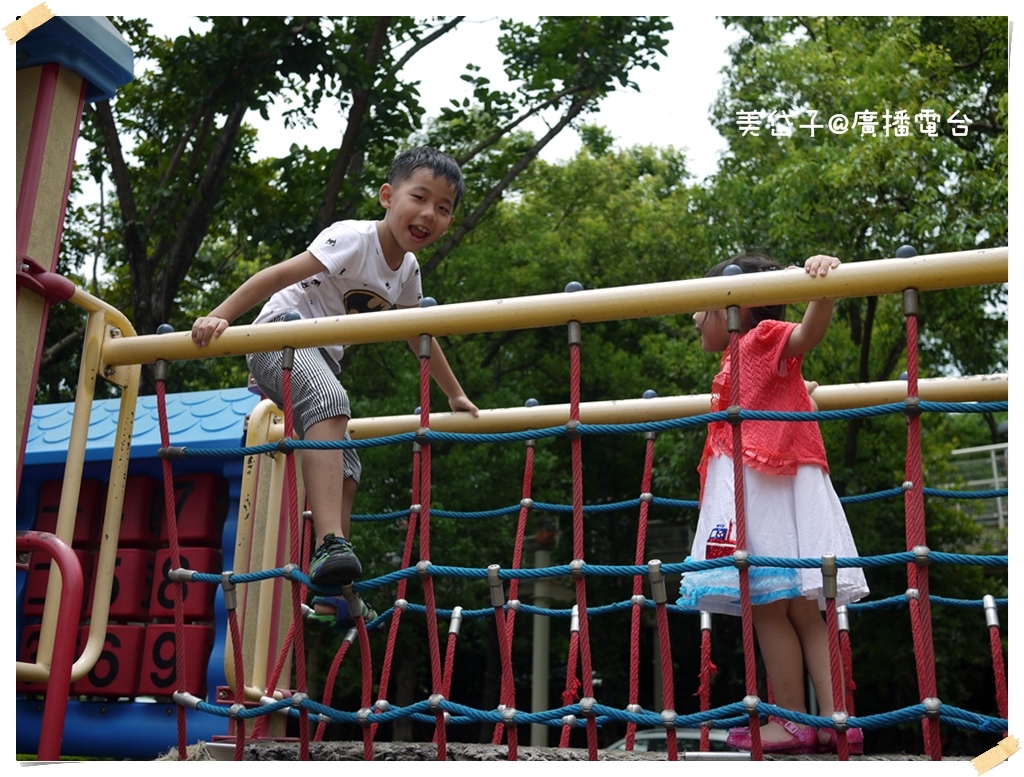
(581, 708)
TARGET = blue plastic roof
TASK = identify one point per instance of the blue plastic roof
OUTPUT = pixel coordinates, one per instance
(197, 419)
(88, 45)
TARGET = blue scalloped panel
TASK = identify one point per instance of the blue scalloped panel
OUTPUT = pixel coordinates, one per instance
(198, 419)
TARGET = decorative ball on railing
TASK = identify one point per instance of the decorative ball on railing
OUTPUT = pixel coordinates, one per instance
(164, 329)
(531, 402)
(732, 269)
(573, 286)
(428, 302)
(903, 375)
(291, 315)
(650, 394)
(905, 251)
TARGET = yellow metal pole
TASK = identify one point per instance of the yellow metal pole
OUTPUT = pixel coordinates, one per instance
(858, 279)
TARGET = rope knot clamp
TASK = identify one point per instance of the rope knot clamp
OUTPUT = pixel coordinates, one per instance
(421, 436)
(750, 703)
(171, 452)
(297, 699)
(497, 588)
(843, 618)
(230, 594)
(526, 503)
(931, 707)
(829, 574)
(658, 590)
(235, 710)
(576, 568)
(668, 718)
(569, 720)
(740, 559)
(434, 702)
(734, 318)
(733, 414)
(456, 622)
(423, 569)
(634, 709)
(514, 605)
(401, 604)
(307, 515)
(908, 485)
(185, 699)
(508, 716)
(912, 594)
(705, 620)
(840, 721)
(991, 613)
(912, 407)
(910, 302)
(921, 555)
(587, 706)
(180, 575)
(363, 716)
(647, 496)
(288, 570)
(638, 600)
(572, 429)
(415, 508)
(381, 705)
(283, 446)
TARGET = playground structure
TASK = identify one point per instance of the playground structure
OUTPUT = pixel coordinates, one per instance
(247, 568)
(91, 507)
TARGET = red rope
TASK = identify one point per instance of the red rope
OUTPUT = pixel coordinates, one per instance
(749, 659)
(396, 618)
(706, 670)
(508, 690)
(851, 686)
(239, 664)
(920, 608)
(638, 590)
(668, 684)
(999, 670)
(332, 675)
(428, 584)
(571, 693)
(172, 540)
(297, 589)
(578, 544)
(836, 671)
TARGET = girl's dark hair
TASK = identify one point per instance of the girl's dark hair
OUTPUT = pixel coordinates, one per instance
(750, 263)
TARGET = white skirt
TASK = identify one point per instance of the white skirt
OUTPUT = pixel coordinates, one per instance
(796, 516)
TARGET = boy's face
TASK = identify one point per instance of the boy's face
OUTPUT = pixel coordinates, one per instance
(419, 209)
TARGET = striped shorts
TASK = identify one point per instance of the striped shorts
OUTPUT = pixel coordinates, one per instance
(317, 394)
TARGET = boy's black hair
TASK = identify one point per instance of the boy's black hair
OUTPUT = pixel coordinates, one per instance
(437, 162)
(751, 262)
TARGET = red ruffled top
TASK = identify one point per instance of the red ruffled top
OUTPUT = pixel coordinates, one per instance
(767, 382)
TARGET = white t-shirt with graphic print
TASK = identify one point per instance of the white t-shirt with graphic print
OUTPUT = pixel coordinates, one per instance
(356, 279)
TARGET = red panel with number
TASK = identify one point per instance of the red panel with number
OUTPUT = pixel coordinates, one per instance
(132, 586)
(88, 519)
(27, 653)
(39, 576)
(116, 672)
(159, 667)
(197, 598)
(142, 517)
(201, 505)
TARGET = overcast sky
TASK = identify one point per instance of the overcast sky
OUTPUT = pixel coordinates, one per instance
(671, 108)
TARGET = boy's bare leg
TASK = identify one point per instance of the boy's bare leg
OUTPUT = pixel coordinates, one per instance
(322, 476)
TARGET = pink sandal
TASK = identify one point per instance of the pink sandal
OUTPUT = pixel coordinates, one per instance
(854, 741)
(803, 740)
